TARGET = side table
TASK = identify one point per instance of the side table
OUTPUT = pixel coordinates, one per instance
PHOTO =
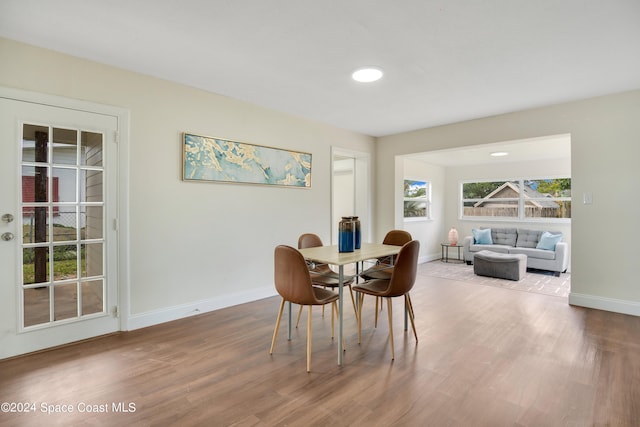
(444, 247)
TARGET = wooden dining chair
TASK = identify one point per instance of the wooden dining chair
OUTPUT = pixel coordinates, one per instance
(384, 266)
(322, 274)
(402, 280)
(293, 283)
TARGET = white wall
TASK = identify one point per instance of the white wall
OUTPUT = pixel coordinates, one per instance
(194, 246)
(428, 232)
(604, 154)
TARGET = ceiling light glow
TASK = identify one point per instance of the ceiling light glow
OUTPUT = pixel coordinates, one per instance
(499, 154)
(367, 75)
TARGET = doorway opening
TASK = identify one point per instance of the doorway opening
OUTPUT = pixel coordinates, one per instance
(351, 188)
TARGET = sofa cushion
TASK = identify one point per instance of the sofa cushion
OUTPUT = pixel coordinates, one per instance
(482, 237)
(549, 241)
(534, 253)
(504, 236)
(503, 249)
(528, 238)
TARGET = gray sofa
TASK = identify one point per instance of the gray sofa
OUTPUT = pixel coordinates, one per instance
(521, 241)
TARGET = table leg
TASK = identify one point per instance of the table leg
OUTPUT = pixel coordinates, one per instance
(340, 300)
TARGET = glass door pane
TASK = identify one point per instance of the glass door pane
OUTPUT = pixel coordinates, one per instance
(63, 224)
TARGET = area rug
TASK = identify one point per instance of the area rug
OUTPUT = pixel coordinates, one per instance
(534, 281)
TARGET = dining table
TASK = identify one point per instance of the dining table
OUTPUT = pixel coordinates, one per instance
(332, 256)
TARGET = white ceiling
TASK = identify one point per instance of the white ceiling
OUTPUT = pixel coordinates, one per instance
(525, 150)
(444, 60)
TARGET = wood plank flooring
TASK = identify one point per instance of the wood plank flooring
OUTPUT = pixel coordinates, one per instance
(486, 357)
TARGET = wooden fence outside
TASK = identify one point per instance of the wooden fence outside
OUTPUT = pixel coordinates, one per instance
(530, 212)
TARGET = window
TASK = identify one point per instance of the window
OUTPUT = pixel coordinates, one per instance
(417, 199)
(519, 200)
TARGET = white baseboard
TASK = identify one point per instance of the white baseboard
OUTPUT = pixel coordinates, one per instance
(428, 258)
(150, 318)
(603, 303)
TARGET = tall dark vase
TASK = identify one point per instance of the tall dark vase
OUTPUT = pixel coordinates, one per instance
(346, 234)
(357, 242)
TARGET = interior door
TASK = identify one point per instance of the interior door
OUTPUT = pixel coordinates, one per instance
(58, 245)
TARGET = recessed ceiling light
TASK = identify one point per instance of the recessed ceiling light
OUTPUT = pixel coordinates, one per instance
(367, 75)
(499, 154)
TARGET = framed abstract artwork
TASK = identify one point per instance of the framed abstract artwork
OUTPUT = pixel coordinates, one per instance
(208, 158)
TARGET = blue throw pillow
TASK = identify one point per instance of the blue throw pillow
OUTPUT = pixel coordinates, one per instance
(482, 237)
(548, 241)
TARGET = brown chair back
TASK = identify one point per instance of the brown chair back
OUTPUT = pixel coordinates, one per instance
(309, 240)
(397, 238)
(291, 276)
(404, 270)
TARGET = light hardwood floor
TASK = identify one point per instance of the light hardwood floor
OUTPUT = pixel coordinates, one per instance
(486, 357)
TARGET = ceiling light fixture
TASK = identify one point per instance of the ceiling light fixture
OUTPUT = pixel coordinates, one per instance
(367, 75)
(499, 154)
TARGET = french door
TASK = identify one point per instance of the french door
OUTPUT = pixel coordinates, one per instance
(58, 237)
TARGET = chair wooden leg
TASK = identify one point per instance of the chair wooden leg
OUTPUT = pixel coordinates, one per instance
(411, 315)
(375, 322)
(275, 331)
(334, 314)
(359, 315)
(299, 314)
(410, 305)
(323, 305)
(309, 340)
(353, 301)
(393, 355)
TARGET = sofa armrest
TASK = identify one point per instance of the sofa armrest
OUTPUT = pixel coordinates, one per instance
(562, 255)
(466, 248)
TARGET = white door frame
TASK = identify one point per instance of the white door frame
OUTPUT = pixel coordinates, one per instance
(123, 118)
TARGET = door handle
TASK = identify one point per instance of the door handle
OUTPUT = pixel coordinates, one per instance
(7, 236)
(7, 218)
